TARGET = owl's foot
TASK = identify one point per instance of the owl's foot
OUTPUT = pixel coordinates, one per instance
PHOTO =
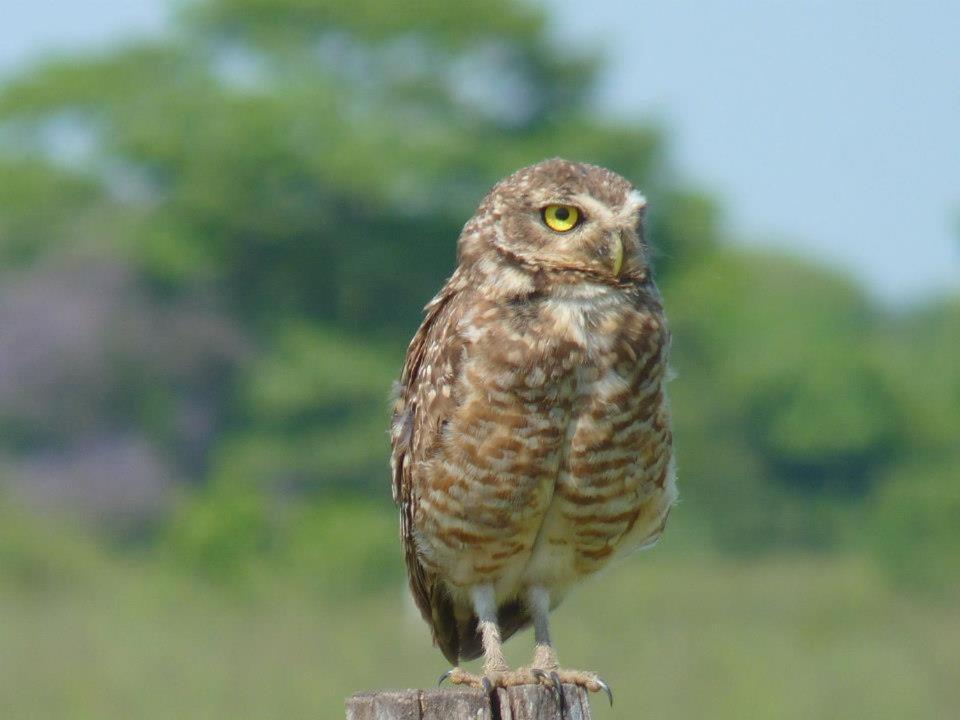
(498, 678)
(554, 679)
(459, 676)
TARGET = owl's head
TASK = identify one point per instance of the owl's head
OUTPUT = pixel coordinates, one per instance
(562, 216)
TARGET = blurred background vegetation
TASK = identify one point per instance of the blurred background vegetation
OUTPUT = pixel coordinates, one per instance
(213, 248)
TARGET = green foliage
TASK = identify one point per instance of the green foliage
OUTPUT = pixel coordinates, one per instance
(42, 556)
(781, 411)
(299, 21)
(39, 207)
(914, 519)
(247, 538)
(913, 527)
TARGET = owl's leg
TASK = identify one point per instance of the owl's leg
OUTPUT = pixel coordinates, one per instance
(496, 672)
(545, 657)
(485, 606)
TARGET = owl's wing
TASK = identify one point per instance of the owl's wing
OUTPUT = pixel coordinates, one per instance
(417, 420)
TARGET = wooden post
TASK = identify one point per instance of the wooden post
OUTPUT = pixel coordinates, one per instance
(523, 702)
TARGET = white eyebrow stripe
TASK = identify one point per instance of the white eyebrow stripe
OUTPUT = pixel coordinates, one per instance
(627, 213)
(593, 208)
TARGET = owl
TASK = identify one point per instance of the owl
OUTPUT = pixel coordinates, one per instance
(531, 429)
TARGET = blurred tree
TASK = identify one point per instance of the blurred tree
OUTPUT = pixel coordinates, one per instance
(780, 398)
(913, 521)
(913, 524)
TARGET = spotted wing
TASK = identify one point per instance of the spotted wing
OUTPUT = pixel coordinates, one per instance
(418, 417)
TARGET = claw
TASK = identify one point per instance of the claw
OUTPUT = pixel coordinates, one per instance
(487, 685)
(558, 686)
(446, 675)
(541, 677)
(606, 689)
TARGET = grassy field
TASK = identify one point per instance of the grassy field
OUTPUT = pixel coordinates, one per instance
(676, 636)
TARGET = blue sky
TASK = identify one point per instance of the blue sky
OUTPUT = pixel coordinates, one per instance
(828, 128)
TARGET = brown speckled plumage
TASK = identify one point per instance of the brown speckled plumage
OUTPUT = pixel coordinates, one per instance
(531, 432)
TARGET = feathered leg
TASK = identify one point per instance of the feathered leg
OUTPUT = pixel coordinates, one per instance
(545, 657)
(495, 668)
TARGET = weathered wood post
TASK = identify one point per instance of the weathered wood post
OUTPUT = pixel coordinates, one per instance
(524, 702)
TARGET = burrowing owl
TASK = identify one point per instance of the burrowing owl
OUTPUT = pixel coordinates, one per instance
(531, 432)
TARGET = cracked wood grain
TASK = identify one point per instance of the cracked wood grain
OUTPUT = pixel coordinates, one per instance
(525, 702)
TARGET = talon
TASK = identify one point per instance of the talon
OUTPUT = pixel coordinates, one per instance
(445, 676)
(543, 678)
(555, 689)
(606, 689)
(487, 685)
(558, 687)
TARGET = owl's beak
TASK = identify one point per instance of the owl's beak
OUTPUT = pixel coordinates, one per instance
(616, 252)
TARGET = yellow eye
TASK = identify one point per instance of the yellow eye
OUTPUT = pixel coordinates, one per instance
(561, 217)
